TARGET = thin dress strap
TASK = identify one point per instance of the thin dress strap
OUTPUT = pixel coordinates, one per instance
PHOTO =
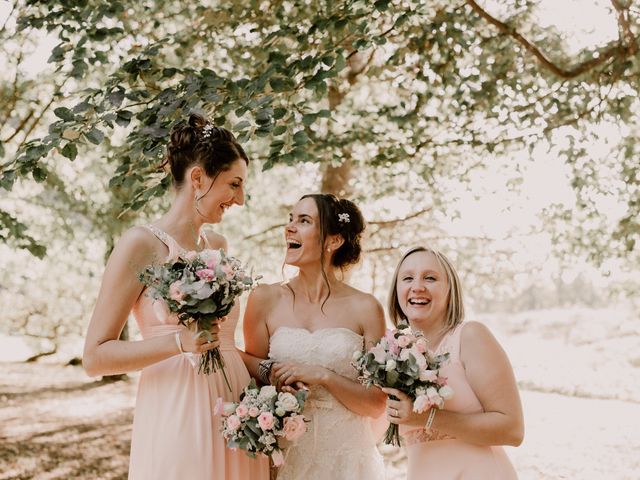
(168, 240)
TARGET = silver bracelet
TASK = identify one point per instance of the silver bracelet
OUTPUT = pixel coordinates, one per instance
(264, 370)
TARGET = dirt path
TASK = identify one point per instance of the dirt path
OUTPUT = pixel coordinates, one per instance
(57, 424)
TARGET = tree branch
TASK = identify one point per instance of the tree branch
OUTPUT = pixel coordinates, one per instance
(617, 49)
(265, 231)
(395, 221)
(623, 21)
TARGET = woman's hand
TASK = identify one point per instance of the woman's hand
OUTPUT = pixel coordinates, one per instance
(294, 374)
(203, 341)
(401, 411)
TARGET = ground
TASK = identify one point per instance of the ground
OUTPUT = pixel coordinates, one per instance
(580, 391)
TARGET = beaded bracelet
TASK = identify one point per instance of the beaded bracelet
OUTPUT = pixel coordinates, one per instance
(264, 371)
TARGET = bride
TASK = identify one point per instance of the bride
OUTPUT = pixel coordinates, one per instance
(309, 329)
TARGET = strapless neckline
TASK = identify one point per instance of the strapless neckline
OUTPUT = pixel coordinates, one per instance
(317, 331)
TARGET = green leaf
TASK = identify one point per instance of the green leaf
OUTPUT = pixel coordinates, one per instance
(70, 151)
(279, 130)
(278, 113)
(39, 174)
(95, 136)
(64, 113)
(300, 138)
(241, 126)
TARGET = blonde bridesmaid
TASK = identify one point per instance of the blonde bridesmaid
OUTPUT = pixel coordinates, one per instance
(463, 441)
(175, 433)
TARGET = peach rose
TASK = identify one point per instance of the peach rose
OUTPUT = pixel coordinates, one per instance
(294, 427)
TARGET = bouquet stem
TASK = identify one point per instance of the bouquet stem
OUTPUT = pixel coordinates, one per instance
(211, 361)
(392, 435)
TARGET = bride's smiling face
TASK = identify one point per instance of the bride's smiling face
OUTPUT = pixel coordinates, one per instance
(302, 234)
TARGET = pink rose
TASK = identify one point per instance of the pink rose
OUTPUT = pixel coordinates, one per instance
(379, 354)
(266, 420)
(254, 412)
(421, 345)
(277, 458)
(211, 258)
(428, 376)
(294, 427)
(175, 293)
(403, 341)
(206, 274)
(242, 410)
(233, 423)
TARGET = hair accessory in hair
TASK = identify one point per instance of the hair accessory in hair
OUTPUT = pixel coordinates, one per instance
(343, 218)
(206, 130)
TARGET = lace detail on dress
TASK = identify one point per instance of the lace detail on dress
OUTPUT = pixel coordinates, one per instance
(422, 435)
(339, 443)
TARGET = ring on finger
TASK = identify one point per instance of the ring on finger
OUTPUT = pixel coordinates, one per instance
(395, 412)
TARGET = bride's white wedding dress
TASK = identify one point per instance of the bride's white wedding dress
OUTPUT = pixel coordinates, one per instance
(339, 444)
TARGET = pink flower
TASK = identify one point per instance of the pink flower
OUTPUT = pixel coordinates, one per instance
(421, 404)
(206, 274)
(211, 258)
(254, 412)
(277, 458)
(421, 345)
(379, 354)
(294, 427)
(434, 397)
(428, 376)
(266, 420)
(175, 292)
(403, 341)
(233, 423)
(190, 256)
(219, 406)
(242, 410)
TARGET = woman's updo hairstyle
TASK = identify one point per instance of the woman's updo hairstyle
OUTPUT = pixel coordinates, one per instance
(198, 141)
(340, 217)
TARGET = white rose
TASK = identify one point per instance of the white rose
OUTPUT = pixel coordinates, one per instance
(357, 355)
(446, 392)
(287, 401)
(391, 365)
(266, 393)
(280, 411)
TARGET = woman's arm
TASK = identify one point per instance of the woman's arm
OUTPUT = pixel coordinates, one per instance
(353, 395)
(491, 377)
(104, 354)
(254, 327)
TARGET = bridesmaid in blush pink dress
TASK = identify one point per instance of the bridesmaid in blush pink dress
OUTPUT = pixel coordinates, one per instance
(463, 441)
(175, 432)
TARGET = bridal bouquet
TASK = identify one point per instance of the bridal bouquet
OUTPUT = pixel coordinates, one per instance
(261, 418)
(402, 360)
(199, 287)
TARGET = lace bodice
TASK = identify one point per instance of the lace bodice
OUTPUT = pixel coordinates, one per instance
(339, 443)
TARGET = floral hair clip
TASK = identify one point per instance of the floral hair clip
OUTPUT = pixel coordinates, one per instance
(206, 130)
(344, 218)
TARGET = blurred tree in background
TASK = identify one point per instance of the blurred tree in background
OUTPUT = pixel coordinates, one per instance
(387, 102)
